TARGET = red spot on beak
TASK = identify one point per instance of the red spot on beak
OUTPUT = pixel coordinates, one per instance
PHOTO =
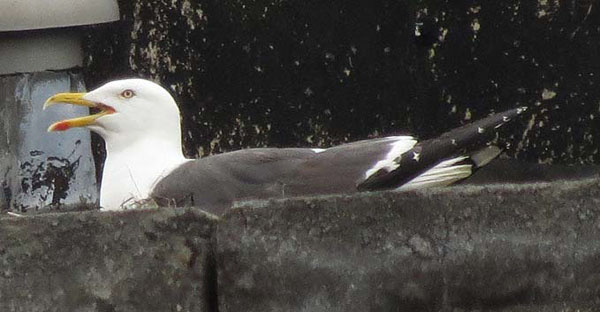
(61, 126)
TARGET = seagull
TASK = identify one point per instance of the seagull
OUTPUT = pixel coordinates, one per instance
(140, 124)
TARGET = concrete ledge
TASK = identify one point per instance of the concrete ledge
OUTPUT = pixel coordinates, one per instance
(527, 247)
(508, 248)
(146, 260)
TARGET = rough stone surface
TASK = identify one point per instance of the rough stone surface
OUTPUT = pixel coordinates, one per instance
(147, 260)
(470, 248)
(298, 73)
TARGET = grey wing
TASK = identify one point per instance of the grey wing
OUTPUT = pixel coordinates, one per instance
(214, 182)
(339, 169)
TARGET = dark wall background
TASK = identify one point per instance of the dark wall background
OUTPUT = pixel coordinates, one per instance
(317, 73)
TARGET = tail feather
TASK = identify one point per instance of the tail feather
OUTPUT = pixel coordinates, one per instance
(483, 156)
(445, 173)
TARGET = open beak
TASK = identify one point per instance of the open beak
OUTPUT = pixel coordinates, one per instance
(76, 99)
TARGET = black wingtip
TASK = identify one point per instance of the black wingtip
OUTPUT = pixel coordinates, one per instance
(465, 139)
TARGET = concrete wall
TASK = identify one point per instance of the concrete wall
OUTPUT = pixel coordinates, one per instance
(298, 73)
(131, 261)
(470, 248)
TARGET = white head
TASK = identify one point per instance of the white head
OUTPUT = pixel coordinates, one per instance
(130, 110)
(139, 121)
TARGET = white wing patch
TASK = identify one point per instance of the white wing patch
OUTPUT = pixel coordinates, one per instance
(318, 150)
(399, 146)
(443, 174)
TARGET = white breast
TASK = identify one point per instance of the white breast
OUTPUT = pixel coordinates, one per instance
(130, 175)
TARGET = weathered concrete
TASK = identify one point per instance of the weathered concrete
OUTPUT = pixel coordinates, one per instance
(145, 260)
(508, 248)
(530, 247)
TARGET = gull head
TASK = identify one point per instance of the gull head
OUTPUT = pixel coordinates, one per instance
(129, 110)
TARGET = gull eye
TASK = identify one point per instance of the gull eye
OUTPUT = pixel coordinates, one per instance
(127, 94)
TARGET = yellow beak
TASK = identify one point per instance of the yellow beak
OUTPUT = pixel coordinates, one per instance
(76, 99)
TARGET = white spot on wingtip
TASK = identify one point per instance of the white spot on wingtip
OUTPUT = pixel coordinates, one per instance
(416, 156)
